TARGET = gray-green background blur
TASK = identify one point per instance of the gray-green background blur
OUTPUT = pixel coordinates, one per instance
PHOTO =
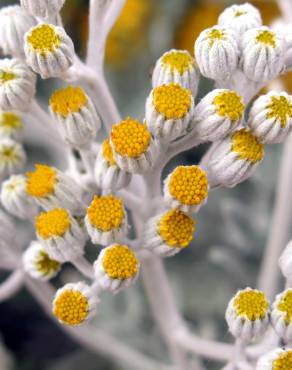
(231, 230)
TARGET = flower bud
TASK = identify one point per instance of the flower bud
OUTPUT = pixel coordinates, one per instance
(12, 157)
(42, 8)
(277, 359)
(281, 315)
(217, 52)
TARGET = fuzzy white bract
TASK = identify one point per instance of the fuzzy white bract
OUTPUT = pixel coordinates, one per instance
(7, 230)
(263, 54)
(38, 264)
(15, 199)
(178, 67)
(49, 51)
(240, 18)
(270, 118)
(116, 268)
(14, 23)
(217, 52)
(17, 85)
(218, 114)
(42, 8)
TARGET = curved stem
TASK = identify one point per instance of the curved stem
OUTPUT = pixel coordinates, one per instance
(84, 267)
(11, 285)
(280, 229)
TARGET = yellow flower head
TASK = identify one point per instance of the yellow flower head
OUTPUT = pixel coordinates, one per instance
(130, 138)
(251, 304)
(172, 101)
(285, 306)
(10, 122)
(44, 39)
(6, 76)
(229, 104)
(178, 60)
(215, 35)
(266, 38)
(280, 109)
(176, 228)
(189, 185)
(247, 146)
(119, 262)
(71, 307)
(107, 153)
(42, 181)
(45, 265)
(284, 361)
(106, 212)
(54, 223)
(68, 100)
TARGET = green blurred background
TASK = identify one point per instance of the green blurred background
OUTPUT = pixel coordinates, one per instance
(231, 229)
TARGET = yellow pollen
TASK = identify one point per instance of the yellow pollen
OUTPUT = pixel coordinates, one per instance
(280, 109)
(71, 307)
(189, 185)
(6, 77)
(10, 121)
(247, 146)
(107, 153)
(285, 306)
(119, 262)
(172, 101)
(130, 138)
(45, 265)
(68, 100)
(229, 104)
(251, 304)
(41, 182)
(43, 39)
(180, 61)
(267, 38)
(215, 35)
(106, 212)
(284, 361)
(176, 228)
(53, 223)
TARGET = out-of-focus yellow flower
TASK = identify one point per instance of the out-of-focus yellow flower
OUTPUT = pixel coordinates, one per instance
(128, 35)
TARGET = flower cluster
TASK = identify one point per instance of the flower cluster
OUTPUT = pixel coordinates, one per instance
(110, 197)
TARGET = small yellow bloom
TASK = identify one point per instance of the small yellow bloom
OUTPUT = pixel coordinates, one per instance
(107, 153)
(284, 361)
(229, 104)
(280, 109)
(251, 304)
(53, 223)
(43, 39)
(68, 100)
(178, 60)
(42, 181)
(267, 38)
(247, 146)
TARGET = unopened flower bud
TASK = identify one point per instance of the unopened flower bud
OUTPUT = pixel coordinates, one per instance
(281, 315)
(12, 157)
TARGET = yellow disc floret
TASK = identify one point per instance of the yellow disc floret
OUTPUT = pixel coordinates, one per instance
(6, 76)
(8, 155)
(247, 146)
(176, 228)
(130, 138)
(107, 153)
(172, 101)
(68, 100)
(10, 121)
(42, 181)
(284, 361)
(45, 265)
(106, 212)
(119, 262)
(189, 185)
(229, 104)
(180, 61)
(280, 109)
(71, 307)
(215, 35)
(53, 223)
(251, 304)
(285, 306)
(44, 39)
(267, 38)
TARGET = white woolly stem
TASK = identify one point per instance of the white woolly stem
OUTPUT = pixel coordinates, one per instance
(88, 158)
(95, 340)
(280, 229)
(286, 9)
(83, 266)
(11, 285)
